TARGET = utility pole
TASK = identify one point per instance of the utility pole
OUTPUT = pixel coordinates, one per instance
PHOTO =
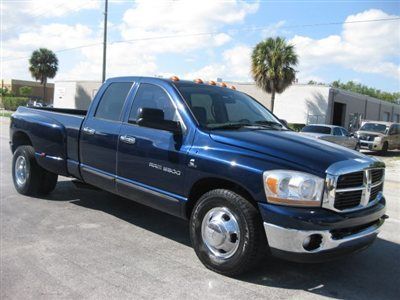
(105, 41)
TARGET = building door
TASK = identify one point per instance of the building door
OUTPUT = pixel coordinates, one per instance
(339, 113)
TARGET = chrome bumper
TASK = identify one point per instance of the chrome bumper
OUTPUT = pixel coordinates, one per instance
(291, 240)
(371, 145)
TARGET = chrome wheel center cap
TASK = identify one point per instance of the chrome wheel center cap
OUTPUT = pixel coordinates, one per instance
(220, 232)
(21, 170)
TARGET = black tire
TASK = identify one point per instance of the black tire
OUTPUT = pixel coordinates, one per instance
(38, 181)
(358, 147)
(385, 148)
(252, 243)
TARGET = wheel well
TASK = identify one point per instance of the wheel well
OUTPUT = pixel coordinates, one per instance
(205, 185)
(20, 138)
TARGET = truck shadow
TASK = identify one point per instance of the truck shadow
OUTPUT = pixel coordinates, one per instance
(391, 153)
(371, 274)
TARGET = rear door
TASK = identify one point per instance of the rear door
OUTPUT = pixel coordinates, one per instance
(152, 162)
(99, 136)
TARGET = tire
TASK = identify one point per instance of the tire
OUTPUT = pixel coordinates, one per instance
(358, 147)
(385, 148)
(250, 243)
(32, 179)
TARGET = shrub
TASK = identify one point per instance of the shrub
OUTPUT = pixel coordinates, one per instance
(25, 91)
(296, 126)
(12, 103)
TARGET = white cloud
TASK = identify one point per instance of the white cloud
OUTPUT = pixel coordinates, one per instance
(235, 66)
(274, 29)
(363, 47)
(159, 18)
(20, 16)
(149, 19)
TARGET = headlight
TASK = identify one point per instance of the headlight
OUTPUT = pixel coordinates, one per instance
(293, 188)
(377, 139)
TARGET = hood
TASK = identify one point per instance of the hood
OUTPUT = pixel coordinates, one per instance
(369, 133)
(307, 152)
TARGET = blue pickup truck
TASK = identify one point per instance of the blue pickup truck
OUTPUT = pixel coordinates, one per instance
(207, 153)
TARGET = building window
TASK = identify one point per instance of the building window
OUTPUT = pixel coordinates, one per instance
(397, 119)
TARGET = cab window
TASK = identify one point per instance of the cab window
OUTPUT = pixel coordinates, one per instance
(152, 96)
(337, 131)
(112, 101)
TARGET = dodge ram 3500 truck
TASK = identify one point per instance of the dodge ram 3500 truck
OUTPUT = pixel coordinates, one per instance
(215, 156)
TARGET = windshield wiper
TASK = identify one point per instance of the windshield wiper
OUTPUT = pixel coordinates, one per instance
(232, 126)
(272, 123)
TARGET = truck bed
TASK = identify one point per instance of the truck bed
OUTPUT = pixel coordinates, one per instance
(54, 133)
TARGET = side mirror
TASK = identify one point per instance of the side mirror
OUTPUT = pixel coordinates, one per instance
(154, 118)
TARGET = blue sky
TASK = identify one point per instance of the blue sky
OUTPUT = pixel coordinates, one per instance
(367, 52)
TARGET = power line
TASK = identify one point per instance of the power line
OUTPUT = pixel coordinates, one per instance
(214, 33)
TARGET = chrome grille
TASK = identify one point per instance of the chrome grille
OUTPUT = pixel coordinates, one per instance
(354, 190)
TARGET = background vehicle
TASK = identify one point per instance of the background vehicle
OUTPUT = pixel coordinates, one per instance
(332, 133)
(379, 136)
(214, 156)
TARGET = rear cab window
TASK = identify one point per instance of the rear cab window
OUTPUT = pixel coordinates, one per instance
(317, 129)
(112, 101)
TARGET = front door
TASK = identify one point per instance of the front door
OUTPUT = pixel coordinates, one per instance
(99, 137)
(151, 162)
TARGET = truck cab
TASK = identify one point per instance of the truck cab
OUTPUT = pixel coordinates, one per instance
(212, 155)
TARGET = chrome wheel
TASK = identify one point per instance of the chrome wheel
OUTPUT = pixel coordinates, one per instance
(220, 232)
(21, 170)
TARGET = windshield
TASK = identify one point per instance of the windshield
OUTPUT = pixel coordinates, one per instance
(223, 108)
(317, 129)
(375, 127)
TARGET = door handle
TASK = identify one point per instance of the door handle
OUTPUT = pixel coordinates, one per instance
(127, 139)
(88, 130)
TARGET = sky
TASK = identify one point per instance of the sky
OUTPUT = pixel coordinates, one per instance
(335, 40)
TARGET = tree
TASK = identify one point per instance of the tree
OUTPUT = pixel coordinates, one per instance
(272, 63)
(43, 65)
(366, 90)
(25, 91)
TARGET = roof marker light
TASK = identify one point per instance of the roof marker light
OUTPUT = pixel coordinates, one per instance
(198, 80)
(212, 82)
(223, 84)
(233, 87)
(174, 78)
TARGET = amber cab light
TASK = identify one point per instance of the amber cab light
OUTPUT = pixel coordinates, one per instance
(198, 80)
(175, 78)
(212, 82)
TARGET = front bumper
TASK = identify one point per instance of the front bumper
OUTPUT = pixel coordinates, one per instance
(371, 145)
(290, 231)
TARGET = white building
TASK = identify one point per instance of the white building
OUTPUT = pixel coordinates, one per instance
(74, 94)
(306, 104)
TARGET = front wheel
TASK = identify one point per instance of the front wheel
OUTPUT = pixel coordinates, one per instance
(385, 148)
(358, 147)
(227, 232)
(29, 178)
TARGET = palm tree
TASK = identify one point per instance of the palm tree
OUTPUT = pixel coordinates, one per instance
(43, 65)
(272, 63)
